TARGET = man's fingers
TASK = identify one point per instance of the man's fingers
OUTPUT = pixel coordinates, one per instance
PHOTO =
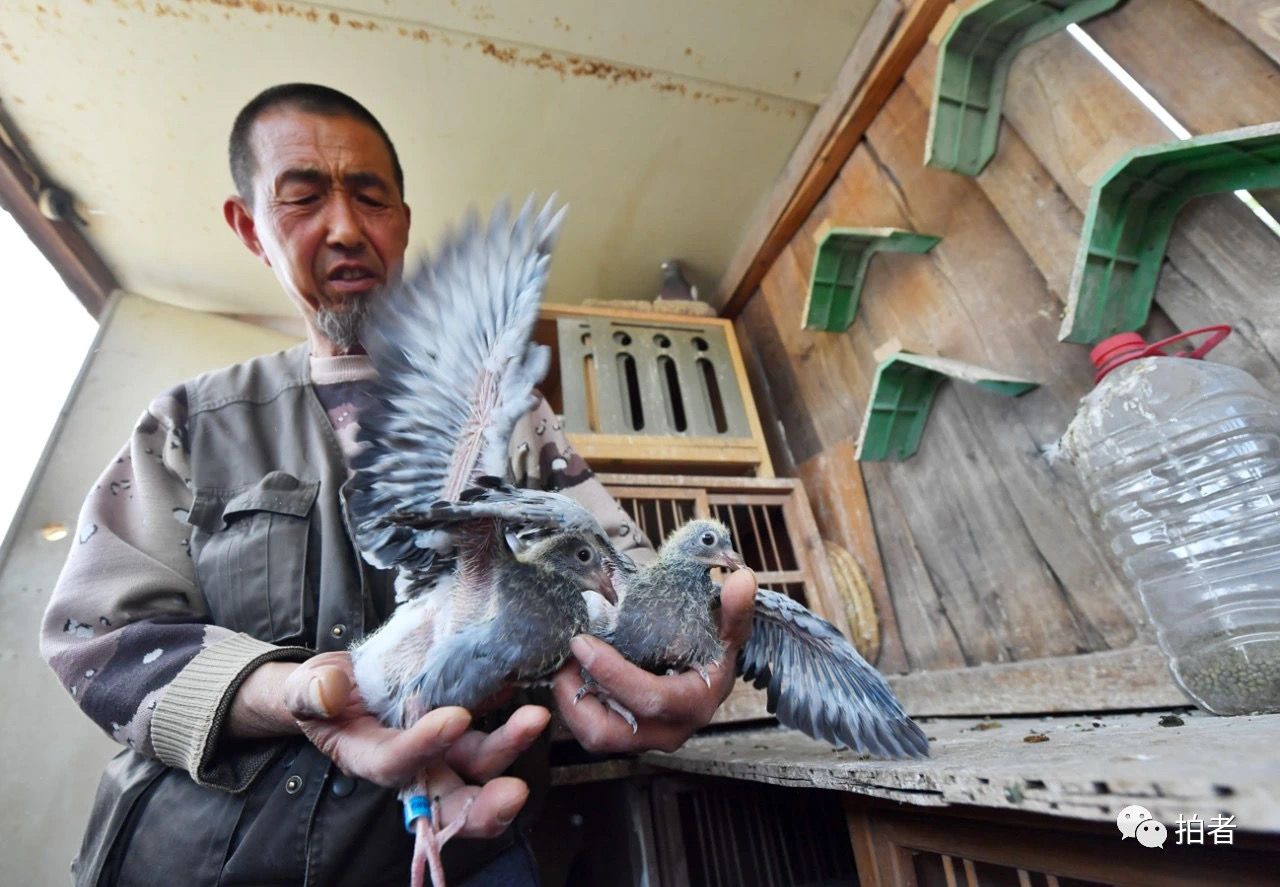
(432, 734)
(393, 757)
(737, 604)
(496, 804)
(481, 756)
(602, 731)
(672, 697)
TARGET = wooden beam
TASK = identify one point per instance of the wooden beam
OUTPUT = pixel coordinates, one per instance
(62, 243)
(1114, 680)
(835, 131)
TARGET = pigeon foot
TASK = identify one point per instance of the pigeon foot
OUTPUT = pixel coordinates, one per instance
(429, 840)
(592, 686)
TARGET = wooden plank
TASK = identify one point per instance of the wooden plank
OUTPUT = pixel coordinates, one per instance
(776, 384)
(758, 253)
(833, 480)
(1258, 20)
(610, 450)
(929, 638)
(1114, 680)
(1228, 83)
(1221, 262)
(710, 482)
(1088, 767)
(63, 243)
(765, 466)
(862, 836)
(550, 311)
(1037, 553)
(825, 599)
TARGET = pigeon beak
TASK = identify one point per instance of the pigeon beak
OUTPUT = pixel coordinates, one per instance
(731, 559)
(605, 587)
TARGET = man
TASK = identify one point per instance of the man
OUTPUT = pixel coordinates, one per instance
(204, 611)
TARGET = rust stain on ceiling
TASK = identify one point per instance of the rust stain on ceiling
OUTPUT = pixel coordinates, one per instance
(538, 58)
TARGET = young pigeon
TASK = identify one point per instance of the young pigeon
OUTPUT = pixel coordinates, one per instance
(816, 681)
(456, 370)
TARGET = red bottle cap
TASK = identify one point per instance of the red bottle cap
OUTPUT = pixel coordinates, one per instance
(1121, 348)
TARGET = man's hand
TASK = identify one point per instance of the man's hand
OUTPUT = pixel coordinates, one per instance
(320, 698)
(669, 708)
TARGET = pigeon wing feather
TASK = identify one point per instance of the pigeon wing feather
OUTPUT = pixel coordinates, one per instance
(816, 682)
(456, 370)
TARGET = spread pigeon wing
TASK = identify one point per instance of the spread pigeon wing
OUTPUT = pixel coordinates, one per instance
(492, 499)
(819, 684)
(456, 370)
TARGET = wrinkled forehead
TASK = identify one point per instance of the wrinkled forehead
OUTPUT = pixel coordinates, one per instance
(287, 140)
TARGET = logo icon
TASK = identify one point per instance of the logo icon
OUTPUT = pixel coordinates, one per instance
(1151, 833)
(1129, 819)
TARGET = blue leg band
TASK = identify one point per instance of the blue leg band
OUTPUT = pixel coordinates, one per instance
(415, 806)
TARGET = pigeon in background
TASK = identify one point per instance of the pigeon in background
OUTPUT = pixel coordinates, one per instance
(674, 284)
(816, 681)
(456, 370)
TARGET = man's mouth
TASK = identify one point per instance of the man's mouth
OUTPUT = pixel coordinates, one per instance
(348, 278)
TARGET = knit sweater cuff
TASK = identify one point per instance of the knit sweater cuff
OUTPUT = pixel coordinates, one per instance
(188, 721)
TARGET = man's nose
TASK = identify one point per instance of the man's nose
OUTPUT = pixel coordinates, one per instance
(345, 230)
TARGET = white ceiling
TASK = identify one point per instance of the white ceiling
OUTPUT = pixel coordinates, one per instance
(662, 124)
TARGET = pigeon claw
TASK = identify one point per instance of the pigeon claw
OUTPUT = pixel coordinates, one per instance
(590, 685)
(702, 672)
(623, 712)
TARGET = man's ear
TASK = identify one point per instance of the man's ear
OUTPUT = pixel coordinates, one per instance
(240, 219)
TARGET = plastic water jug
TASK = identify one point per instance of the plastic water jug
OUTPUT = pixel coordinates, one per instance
(1181, 462)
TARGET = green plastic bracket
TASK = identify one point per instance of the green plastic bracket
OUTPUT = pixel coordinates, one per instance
(973, 67)
(1131, 214)
(902, 393)
(840, 269)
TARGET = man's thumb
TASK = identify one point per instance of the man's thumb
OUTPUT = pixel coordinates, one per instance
(737, 605)
(317, 693)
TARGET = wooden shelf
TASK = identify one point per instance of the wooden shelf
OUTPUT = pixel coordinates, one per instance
(1089, 767)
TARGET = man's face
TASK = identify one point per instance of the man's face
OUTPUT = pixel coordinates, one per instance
(327, 216)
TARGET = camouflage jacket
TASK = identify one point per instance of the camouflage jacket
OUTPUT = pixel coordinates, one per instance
(217, 540)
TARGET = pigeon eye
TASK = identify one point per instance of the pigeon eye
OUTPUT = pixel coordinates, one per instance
(584, 554)
(708, 538)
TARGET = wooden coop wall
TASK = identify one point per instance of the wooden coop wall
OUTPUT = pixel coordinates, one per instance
(980, 549)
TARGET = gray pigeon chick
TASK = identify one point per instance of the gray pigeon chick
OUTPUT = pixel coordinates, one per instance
(816, 681)
(456, 370)
(512, 626)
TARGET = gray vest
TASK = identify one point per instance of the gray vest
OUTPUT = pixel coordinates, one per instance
(275, 559)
